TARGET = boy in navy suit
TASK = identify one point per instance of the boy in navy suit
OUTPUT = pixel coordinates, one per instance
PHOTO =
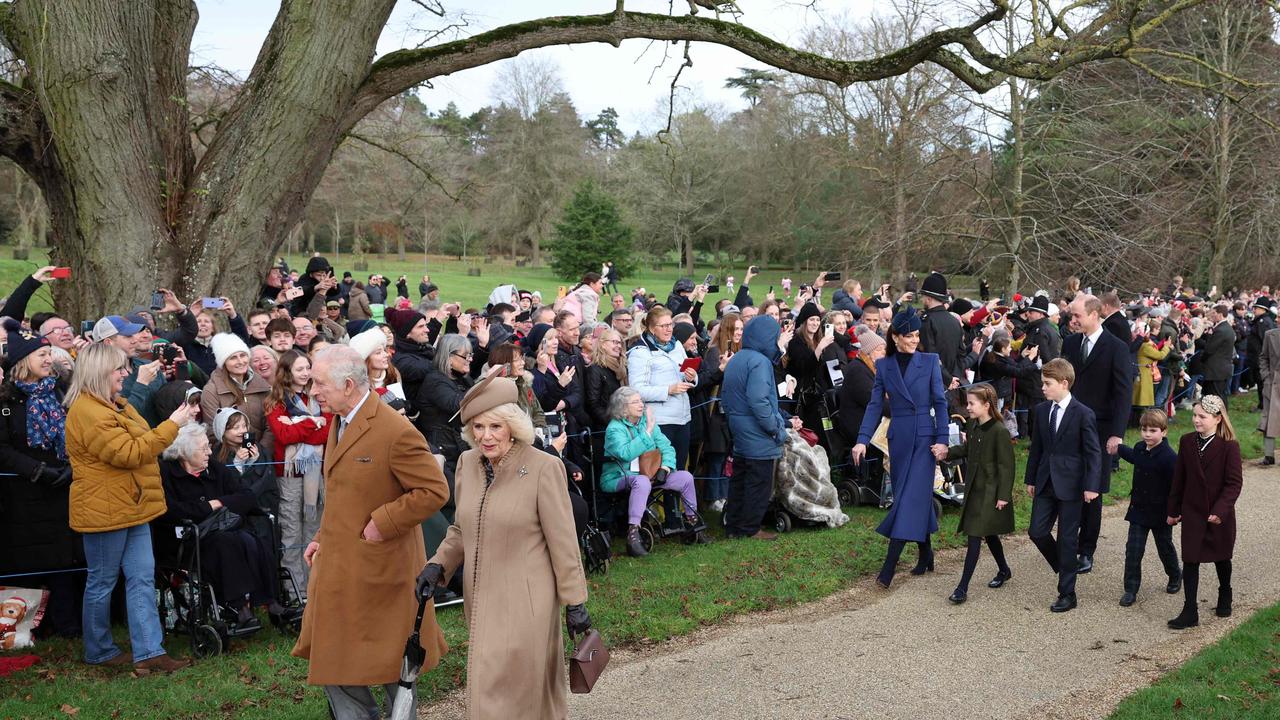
(1063, 473)
(1153, 463)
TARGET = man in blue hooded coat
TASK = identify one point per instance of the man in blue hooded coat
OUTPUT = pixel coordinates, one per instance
(759, 427)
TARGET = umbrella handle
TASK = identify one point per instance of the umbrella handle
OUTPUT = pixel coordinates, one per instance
(422, 609)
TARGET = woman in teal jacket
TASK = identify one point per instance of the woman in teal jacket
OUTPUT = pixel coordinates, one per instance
(631, 433)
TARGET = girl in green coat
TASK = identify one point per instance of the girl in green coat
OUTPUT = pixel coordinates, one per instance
(988, 502)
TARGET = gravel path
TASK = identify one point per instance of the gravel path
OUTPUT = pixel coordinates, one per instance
(908, 653)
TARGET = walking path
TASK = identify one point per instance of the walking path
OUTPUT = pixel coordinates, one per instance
(908, 653)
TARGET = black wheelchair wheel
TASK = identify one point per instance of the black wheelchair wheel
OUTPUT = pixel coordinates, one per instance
(847, 493)
(206, 642)
(937, 509)
(781, 521)
(647, 537)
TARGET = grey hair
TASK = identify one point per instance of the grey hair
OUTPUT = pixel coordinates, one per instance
(185, 444)
(428, 306)
(446, 346)
(345, 363)
(618, 403)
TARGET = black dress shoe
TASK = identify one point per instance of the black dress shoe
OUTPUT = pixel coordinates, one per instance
(1264, 462)
(958, 597)
(1128, 599)
(1086, 564)
(1064, 603)
(1175, 584)
(1000, 579)
(1224, 602)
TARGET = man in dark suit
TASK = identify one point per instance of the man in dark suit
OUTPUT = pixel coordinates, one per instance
(1217, 349)
(1043, 335)
(1063, 471)
(940, 331)
(1104, 384)
(1263, 321)
(1114, 320)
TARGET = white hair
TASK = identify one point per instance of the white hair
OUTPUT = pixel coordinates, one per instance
(187, 442)
(345, 363)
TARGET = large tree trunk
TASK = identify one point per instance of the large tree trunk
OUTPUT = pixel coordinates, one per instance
(1013, 271)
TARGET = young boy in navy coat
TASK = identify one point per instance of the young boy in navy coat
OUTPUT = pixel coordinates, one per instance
(1063, 473)
(1153, 463)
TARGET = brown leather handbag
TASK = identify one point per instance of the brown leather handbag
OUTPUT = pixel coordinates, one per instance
(587, 662)
(650, 463)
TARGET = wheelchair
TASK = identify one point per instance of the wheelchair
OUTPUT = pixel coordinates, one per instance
(187, 602)
(652, 523)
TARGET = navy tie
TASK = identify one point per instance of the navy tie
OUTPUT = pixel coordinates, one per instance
(1053, 419)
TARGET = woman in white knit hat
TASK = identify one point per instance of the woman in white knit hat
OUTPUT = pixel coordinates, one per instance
(235, 384)
(372, 346)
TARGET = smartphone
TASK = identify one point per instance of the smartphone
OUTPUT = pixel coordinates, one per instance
(60, 273)
(248, 439)
(709, 279)
(754, 269)
(213, 303)
(691, 364)
(831, 277)
(169, 353)
(828, 330)
(157, 300)
(86, 327)
(770, 288)
(293, 293)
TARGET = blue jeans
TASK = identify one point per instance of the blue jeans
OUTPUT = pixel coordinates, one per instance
(106, 554)
(1162, 388)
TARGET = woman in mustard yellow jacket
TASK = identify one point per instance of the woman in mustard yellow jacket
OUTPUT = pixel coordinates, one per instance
(1149, 356)
(115, 492)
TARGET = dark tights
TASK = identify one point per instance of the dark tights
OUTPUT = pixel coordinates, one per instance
(895, 552)
(971, 558)
(1191, 579)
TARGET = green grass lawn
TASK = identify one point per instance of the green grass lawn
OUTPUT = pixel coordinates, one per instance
(672, 592)
(1238, 677)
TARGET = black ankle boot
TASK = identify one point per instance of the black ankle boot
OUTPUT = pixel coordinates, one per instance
(1224, 602)
(635, 548)
(925, 563)
(1189, 617)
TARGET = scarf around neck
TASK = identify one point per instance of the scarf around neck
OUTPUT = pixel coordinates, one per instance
(46, 418)
(653, 343)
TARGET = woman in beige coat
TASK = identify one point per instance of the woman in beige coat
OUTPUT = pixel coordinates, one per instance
(514, 528)
(1269, 376)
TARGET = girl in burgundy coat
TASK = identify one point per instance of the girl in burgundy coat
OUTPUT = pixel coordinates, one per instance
(1206, 482)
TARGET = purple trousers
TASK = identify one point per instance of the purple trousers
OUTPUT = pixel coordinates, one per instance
(679, 481)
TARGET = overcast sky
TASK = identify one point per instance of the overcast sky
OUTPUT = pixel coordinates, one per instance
(596, 76)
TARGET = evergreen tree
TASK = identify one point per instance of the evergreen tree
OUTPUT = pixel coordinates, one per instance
(590, 232)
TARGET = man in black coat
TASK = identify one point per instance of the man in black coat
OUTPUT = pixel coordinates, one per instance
(1064, 469)
(1263, 321)
(1217, 349)
(940, 331)
(1114, 320)
(1104, 383)
(1043, 335)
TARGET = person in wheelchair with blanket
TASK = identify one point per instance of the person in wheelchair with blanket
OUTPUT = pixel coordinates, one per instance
(633, 444)
(239, 564)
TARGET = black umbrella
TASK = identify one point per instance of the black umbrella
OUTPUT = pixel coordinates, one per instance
(414, 656)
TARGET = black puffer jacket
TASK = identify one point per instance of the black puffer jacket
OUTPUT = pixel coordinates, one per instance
(601, 384)
(413, 361)
(34, 524)
(437, 402)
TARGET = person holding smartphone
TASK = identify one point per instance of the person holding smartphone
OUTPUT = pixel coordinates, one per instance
(802, 361)
(317, 279)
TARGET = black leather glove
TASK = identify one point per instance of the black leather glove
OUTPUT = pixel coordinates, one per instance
(576, 617)
(55, 476)
(431, 577)
(660, 476)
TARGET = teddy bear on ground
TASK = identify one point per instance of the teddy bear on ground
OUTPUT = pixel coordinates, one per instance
(12, 612)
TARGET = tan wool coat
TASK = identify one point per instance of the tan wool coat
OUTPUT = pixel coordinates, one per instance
(1269, 374)
(360, 598)
(522, 566)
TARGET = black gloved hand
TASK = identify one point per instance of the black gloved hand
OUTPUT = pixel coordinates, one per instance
(431, 577)
(660, 476)
(54, 476)
(576, 617)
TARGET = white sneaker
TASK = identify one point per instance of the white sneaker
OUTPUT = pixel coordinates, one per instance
(718, 505)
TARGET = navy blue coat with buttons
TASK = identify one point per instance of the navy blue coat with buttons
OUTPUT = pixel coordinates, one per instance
(1152, 478)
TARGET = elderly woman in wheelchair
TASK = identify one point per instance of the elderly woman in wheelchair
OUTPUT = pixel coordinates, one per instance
(639, 459)
(240, 564)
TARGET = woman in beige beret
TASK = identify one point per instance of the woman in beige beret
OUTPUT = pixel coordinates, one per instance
(515, 531)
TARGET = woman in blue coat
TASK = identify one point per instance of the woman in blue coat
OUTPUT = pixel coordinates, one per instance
(912, 382)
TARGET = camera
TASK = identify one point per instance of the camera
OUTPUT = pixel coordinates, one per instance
(169, 353)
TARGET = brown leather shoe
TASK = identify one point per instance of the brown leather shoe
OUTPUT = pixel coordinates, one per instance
(765, 535)
(160, 664)
(124, 658)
